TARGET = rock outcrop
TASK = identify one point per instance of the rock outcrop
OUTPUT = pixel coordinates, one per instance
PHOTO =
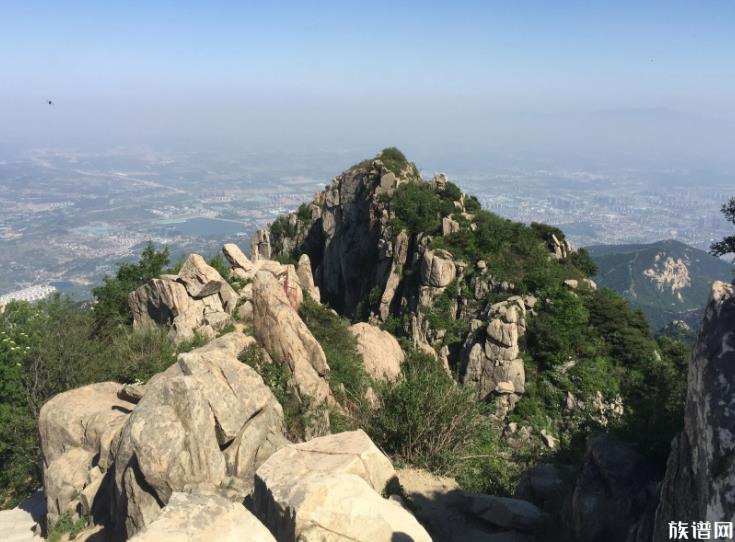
(203, 426)
(295, 280)
(280, 330)
(437, 268)
(80, 431)
(381, 353)
(196, 301)
(306, 278)
(347, 235)
(491, 360)
(204, 518)
(330, 489)
(700, 474)
(260, 246)
(560, 248)
(398, 257)
(237, 257)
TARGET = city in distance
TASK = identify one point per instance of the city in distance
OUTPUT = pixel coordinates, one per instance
(70, 216)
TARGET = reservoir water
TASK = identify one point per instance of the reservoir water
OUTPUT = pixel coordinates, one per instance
(206, 227)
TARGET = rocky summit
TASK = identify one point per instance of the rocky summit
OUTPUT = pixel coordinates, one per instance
(390, 362)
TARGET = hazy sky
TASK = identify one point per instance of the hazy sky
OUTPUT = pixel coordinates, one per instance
(524, 74)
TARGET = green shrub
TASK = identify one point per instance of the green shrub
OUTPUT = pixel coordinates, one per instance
(304, 213)
(583, 262)
(20, 472)
(545, 231)
(440, 316)
(68, 526)
(611, 352)
(347, 378)
(727, 244)
(112, 297)
(281, 229)
(451, 192)
(472, 204)
(559, 332)
(418, 208)
(277, 377)
(425, 419)
(393, 160)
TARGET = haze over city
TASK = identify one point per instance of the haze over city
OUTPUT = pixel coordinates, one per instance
(613, 119)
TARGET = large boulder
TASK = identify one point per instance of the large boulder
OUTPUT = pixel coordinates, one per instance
(204, 518)
(547, 485)
(237, 257)
(286, 338)
(329, 489)
(202, 280)
(204, 425)
(700, 474)
(449, 226)
(196, 301)
(351, 452)
(381, 353)
(80, 431)
(453, 515)
(437, 268)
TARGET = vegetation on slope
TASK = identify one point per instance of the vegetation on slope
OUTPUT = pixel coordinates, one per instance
(628, 270)
(513, 251)
(592, 342)
(427, 420)
(588, 343)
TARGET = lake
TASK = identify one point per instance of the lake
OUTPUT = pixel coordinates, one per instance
(206, 227)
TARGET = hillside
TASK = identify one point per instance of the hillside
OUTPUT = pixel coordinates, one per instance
(391, 320)
(666, 280)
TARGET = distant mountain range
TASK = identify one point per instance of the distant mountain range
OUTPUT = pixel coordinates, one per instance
(667, 280)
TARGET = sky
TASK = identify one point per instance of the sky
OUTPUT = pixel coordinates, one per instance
(548, 77)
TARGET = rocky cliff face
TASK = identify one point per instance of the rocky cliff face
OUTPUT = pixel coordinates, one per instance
(369, 267)
(343, 233)
(700, 474)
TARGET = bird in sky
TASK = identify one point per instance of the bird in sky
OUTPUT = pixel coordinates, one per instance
(50, 102)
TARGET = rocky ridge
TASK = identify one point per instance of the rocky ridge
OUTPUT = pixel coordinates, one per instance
(369, 267)
(207, 435)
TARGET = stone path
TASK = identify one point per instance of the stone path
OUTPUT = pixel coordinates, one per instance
(21, 524)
